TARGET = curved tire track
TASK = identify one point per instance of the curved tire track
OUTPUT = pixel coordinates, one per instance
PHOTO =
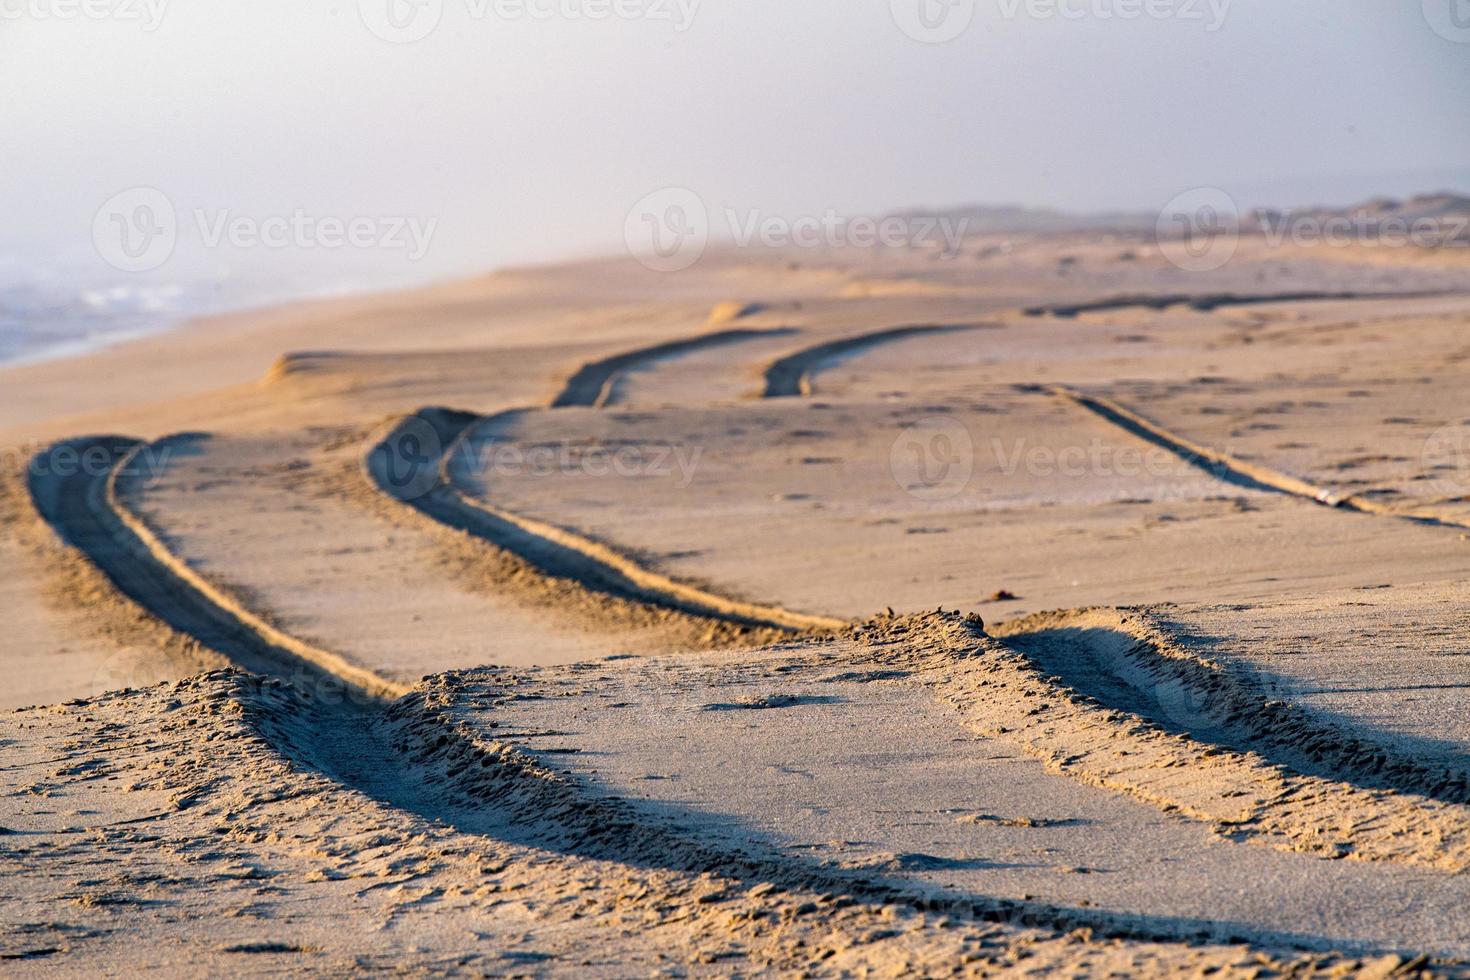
(791, 376)
(84, 505)
(557, 551)
(410, 756)
(1100, 696)
(594, 383)
(390, 742)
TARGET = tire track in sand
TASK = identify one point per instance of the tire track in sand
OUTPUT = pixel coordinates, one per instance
(791, 376)
(83, 503)
(409, 465)
(1208, 302)
(396, 747)
(414, 465)
(404, 755)
(367, 732)
(594, 384)
(1230, 468)
(1102, 696)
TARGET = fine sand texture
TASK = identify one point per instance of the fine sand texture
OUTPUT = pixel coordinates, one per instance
(1040, 609)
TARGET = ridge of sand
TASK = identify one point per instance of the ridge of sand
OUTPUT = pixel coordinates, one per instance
(1374, 806)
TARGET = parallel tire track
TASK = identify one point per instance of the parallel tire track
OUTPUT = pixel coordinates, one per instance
(407, 755)
(83, 503)
(386, 740)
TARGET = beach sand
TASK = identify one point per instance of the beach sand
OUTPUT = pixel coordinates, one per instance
(1042, 609)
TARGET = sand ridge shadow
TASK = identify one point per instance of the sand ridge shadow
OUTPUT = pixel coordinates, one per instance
(1181, 692)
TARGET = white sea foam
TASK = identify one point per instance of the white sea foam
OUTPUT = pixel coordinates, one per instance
(45, 315)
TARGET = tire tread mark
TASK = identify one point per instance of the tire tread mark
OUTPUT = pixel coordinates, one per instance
(791, 376)
(1233, 469)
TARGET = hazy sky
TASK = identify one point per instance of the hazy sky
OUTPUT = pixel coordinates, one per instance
(527, 128)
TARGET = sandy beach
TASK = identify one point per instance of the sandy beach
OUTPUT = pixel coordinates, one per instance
(845, 612)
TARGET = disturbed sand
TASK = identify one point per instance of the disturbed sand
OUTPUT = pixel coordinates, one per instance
(1048, 608)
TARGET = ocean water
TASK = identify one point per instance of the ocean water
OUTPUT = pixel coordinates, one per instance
(40, 318)
(47, 315)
